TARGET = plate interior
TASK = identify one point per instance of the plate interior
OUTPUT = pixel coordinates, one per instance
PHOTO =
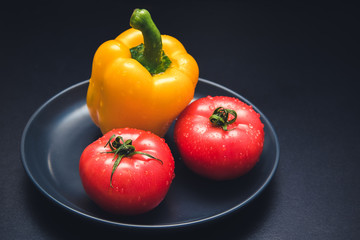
(58, 132)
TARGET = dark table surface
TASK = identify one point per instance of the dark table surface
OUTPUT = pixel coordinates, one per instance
(296, 62)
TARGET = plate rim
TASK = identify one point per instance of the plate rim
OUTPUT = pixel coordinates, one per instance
(151, 226)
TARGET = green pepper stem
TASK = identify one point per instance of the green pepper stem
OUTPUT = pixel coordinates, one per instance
(141, 20)
(151, 54)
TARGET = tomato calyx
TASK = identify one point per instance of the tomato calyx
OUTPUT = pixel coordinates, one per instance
(220, 118)
(121, 149)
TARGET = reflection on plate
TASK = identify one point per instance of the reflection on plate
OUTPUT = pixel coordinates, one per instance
(58, 132)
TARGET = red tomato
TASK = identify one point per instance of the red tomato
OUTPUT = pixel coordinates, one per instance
(139, 182)
(213, 152)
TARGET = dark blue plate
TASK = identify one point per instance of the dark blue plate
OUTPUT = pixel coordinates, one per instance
(58, 132)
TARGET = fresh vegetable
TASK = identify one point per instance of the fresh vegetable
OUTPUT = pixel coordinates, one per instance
(219, 137)
(141, 79)
(127, 171)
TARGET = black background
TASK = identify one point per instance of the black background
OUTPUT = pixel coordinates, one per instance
(297, 62)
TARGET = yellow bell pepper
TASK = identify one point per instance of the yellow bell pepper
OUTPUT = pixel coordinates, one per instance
(141, 79)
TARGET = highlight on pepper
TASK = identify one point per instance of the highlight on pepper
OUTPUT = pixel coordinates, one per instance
(141, 79)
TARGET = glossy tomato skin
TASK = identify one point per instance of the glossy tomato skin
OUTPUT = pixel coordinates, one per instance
(210, 151)
(139, 183)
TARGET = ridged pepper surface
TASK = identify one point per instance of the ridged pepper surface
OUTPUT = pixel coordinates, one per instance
(141, 79)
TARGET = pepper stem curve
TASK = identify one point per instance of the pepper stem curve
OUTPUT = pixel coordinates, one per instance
(150, 54)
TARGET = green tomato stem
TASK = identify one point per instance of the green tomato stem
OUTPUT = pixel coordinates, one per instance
(220, 118)
(121, 149)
